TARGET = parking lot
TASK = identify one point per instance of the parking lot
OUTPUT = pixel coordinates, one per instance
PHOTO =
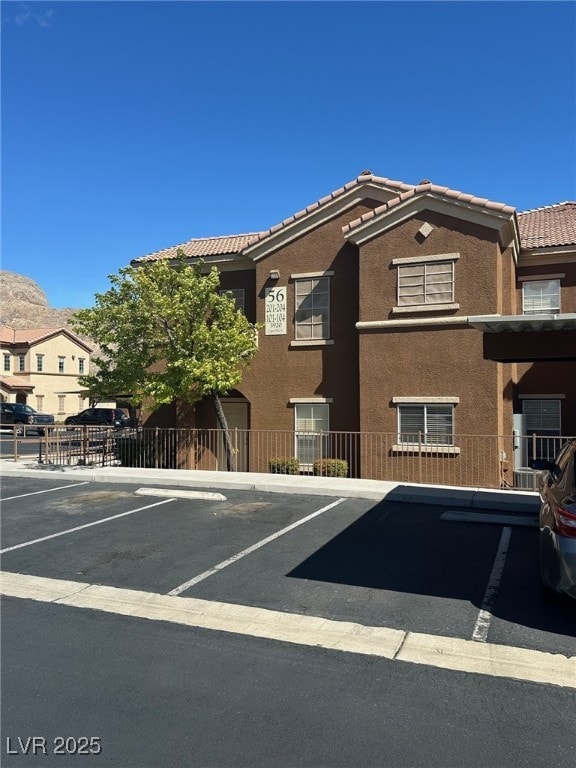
(279, 624)
(379, 564)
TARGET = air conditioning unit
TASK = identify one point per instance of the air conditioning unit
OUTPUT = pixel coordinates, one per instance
(526, 479)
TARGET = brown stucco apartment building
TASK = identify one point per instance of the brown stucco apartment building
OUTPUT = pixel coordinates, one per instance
(436, 327)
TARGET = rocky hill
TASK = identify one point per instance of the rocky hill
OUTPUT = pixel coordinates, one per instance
(25, 305)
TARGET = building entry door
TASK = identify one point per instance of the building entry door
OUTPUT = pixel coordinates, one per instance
(236, 412)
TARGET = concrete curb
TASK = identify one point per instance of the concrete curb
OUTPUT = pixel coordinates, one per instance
(446, 496)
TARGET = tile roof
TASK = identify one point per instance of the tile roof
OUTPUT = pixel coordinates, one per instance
(14, 382)
(204, 246)
(10, 335)
(421, 189)
(363, 178)
(552, 225)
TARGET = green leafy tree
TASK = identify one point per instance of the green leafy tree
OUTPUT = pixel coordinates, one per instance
(166, 332)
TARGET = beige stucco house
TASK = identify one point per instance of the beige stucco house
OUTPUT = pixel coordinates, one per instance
(41, 367)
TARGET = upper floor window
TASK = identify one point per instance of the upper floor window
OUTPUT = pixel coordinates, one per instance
(21, 363)
(426, 283)
(312, 317)
(541, 297)
(61, 361)
(81, 362)
(7, 361)
(39, 363)
(238, 295)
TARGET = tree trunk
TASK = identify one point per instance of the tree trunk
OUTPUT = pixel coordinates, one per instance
(230, 454)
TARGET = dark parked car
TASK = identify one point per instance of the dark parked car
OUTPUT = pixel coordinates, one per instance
(558, 521)
(19, 413)
(109, 417)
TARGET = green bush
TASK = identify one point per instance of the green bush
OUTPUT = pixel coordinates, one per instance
(330, 467)
(284, 465)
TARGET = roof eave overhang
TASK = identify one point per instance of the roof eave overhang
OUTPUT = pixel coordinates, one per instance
(58, 331)
(318, 214)
(504, 223)
(549, 254)
(523, 323)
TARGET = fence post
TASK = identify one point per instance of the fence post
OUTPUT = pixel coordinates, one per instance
(235, 464)
(156, 435)
(419, 457)
(85, 444)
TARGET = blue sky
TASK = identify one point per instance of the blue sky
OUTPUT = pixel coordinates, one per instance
(132, 126)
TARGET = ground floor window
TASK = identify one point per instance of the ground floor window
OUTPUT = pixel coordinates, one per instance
(311, 426)
(39, 402)
(542, 427)
(61, 403)
(429, 424)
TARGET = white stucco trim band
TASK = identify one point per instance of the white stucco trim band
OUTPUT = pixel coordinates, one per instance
(366, 325)
(304, 275)
(431, 399)
(312, 400)
(425, 259)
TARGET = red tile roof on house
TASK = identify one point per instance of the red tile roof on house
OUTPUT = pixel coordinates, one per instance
(14, 382)
(421, 189)
(550, 226)
(204, 246)
(363, 178)
(9, 335)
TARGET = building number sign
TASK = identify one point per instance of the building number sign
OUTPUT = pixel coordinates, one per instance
(275, 311)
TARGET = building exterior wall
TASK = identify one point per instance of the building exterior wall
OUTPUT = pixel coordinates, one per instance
(55, 392)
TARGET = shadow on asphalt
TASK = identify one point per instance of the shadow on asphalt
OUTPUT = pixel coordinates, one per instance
(407, 548)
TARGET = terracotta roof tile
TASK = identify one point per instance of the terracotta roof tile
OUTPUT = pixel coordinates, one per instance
(10, 335)
(203, 246)
(552, 225)
(362, 179)
(421, 189)
(15, 382)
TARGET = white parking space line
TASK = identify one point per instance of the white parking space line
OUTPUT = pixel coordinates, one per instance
(48, 490)
(480, 633)
(449, 653)
(82, 527)
(249, 550)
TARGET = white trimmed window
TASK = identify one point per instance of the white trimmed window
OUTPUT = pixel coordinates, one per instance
(7, 361)
(61, 403)
(21, 363)
(312, 317)
(542, 424)
(541, 297)
(426, 424)
(81, 362)
(39, 363)
(426, 283)
(238, 295)
(39, 402)
(311, 426)
(61, 361)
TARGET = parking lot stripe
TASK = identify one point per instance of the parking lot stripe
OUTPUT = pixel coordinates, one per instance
(480, 633)
(449, 653)
(47, 490)
(82, 527)
(249, 550)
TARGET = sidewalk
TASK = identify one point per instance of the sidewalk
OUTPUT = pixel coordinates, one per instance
(447, 496)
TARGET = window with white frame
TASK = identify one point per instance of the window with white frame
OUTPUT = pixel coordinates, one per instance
(426, 424)
(312, 302)
(540, 297)
(81, 362)
(311, 426)
(21, 363)
(39, 402)
(238, 295)
(7, 357)
(423, 283)
(39, 363)
(61, 361)
(542, 424)
(61, 403)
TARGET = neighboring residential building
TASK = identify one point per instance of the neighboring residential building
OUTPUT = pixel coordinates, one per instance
(41, 367)
(417, 311)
